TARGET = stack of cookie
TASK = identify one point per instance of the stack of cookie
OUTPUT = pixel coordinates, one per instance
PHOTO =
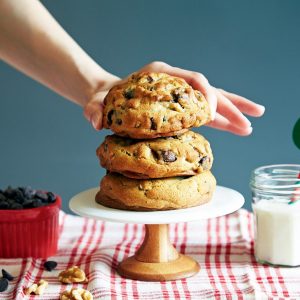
(153, 161)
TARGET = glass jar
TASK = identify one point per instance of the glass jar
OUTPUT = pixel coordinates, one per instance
(276, 207)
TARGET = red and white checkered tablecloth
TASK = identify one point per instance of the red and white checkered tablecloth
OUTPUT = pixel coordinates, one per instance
(223, 247)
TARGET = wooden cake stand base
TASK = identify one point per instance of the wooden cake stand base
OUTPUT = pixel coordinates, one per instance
(157, 259)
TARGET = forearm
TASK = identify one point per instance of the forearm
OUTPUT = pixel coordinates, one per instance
(34, 43)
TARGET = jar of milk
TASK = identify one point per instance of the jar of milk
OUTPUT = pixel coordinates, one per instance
(276, 207)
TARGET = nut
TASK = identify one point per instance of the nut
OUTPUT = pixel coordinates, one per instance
(73, 274)
(37, 289)
(76, 294)
(41, 287)
(31, 289)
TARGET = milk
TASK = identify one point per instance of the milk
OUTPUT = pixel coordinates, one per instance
(277, 238)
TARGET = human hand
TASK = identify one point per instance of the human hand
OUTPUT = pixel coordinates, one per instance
(227, 109)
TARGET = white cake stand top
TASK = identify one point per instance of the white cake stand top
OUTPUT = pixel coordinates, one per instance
(224, 201)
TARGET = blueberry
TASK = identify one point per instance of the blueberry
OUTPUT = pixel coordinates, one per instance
(4, 205)
(37, 203)
(50, 265)
(28, 192)
(42, 196)
(18, 196)
(16, 205)
(6, 275)
(2, 197)
(9, 192)
(28, 203)
(51, 197)
(3, 284)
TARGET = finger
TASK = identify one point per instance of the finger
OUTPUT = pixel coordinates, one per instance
(197, 80)
(231, 112)
(93, 112)
(222, 123)
(244, 105)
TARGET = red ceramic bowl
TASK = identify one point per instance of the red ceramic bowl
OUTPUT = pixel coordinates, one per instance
(30, 232)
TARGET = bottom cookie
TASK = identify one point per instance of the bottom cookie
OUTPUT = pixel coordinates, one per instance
(118, 191)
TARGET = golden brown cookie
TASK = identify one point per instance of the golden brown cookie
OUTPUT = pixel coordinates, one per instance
(186, 154)
(150, 105)
(120, 192)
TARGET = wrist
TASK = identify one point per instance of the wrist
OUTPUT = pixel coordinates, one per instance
(99, 82)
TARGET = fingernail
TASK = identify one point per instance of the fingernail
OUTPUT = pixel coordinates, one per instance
(262, 108)
(248, 122)
(95, 120)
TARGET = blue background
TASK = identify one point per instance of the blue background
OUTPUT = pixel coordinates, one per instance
(249, 47)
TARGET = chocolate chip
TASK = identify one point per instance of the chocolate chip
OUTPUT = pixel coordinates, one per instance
(109, 117)
(128, 94)
(155, 154)
(50, 265)
(119, 121)
(150, 79)
(168, 156)
(204, 161)
(6, 275)
(175, 96)
(153, 124)
(164, 119)
(3, 284)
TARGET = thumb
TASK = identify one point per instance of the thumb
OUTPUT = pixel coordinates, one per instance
(93, 112)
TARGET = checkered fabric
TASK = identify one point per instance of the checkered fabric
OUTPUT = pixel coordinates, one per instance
(223, 246)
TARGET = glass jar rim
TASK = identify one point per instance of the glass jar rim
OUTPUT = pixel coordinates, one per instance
(281, 179)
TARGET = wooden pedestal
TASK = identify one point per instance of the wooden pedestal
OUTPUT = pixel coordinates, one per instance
(157, 259)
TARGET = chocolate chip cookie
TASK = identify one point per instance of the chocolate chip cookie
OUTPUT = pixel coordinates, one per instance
(185, 154)
(150, 105)
(118, 191)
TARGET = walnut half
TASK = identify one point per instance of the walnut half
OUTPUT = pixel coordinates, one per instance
(37, 289)
(71, 275)
(76, 294)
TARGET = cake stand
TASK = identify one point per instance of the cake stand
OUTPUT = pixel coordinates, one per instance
(157, 259)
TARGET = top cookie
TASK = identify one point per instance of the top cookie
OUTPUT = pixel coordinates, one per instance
(151, 105)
